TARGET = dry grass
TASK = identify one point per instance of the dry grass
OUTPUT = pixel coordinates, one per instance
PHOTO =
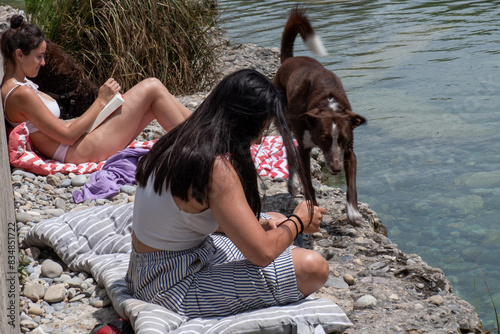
(134, 39)
(497, 329)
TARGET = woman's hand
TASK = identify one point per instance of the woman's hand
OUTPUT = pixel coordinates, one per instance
(109, 89)
(270, 224)
(310, 226)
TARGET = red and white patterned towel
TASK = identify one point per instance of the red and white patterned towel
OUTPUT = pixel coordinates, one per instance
(269, 157)
(21, 156)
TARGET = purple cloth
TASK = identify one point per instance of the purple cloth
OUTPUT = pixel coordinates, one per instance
(118, 170)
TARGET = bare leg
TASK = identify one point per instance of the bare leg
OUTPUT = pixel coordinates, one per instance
(152, 99)
(144, 102)
(311, 270)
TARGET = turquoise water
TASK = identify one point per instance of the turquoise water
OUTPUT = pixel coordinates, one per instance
(426, 76)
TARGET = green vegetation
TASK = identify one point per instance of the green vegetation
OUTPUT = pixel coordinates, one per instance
(21, 269)
(130, 40)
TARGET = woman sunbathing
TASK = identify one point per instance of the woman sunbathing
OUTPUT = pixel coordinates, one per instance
(200, 178)
(23, 46)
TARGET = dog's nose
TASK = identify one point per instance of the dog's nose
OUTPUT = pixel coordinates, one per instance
(335, 172)
(335, 166)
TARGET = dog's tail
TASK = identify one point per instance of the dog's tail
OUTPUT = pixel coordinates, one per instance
(298, 23)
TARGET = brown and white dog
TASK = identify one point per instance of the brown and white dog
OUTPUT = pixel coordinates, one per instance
(318, 110)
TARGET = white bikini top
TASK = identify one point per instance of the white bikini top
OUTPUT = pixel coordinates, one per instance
(51, 104)
(159, 223)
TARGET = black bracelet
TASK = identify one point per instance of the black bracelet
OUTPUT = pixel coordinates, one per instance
(300, 222)
(294, 223)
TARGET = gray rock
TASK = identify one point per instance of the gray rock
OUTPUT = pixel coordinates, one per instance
(72, 293)
(471, 253)
(30, 324)
(35, 310)
(59, 306)
(436, 300)
(77, 298)
(54, 212)
(48, 309)
(74, 282)
(24, 316)
(38, 330)
(90, 292)
(23, 217)
(100, 302)
(78, 180)
(23, 173)
(51, 269)
(66, 183)
(364, 302)
(53, 180)
(337, 283)
(34, 291)
(349, 279)
(34, 276)
(60, 203)
(479, 180)
(55, 293)
(128, 189)
(48, 281)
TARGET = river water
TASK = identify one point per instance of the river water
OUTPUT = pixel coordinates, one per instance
(426, 76)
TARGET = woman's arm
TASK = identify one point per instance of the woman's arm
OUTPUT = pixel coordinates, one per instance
(28, 104)
(274, 220)
(235, 217)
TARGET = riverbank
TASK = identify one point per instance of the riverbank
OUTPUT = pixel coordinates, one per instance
(382, 289)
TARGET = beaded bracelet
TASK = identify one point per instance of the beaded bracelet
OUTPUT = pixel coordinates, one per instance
(300, 222)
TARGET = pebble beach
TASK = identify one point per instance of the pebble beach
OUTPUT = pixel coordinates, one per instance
(381, 288)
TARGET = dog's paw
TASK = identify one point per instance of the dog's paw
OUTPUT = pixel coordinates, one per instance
(355, 217)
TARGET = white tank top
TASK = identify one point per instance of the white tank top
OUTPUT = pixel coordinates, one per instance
(51, 104)
(159, 223)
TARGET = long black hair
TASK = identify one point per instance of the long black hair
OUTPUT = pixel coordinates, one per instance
(225, 124)
(21, 35)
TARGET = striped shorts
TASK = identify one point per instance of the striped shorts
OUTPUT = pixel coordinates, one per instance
(213, 279)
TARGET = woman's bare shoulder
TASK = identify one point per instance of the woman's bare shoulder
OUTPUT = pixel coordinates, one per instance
(18, 92)
(223, 168)
(19, 102)
(224, 180)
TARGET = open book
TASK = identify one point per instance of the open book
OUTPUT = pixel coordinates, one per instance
(108, 109)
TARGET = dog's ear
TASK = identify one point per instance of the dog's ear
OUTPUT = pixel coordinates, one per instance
(357, 120)
(315, 113)
(312, 116)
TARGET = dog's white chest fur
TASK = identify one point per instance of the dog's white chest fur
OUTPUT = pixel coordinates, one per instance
(307, 140)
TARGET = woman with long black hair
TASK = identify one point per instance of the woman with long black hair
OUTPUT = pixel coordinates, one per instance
(200, 179)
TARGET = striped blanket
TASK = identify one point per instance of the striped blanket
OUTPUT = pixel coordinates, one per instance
(97, 240)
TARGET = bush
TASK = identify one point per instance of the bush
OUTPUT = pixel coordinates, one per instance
(134, 39)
